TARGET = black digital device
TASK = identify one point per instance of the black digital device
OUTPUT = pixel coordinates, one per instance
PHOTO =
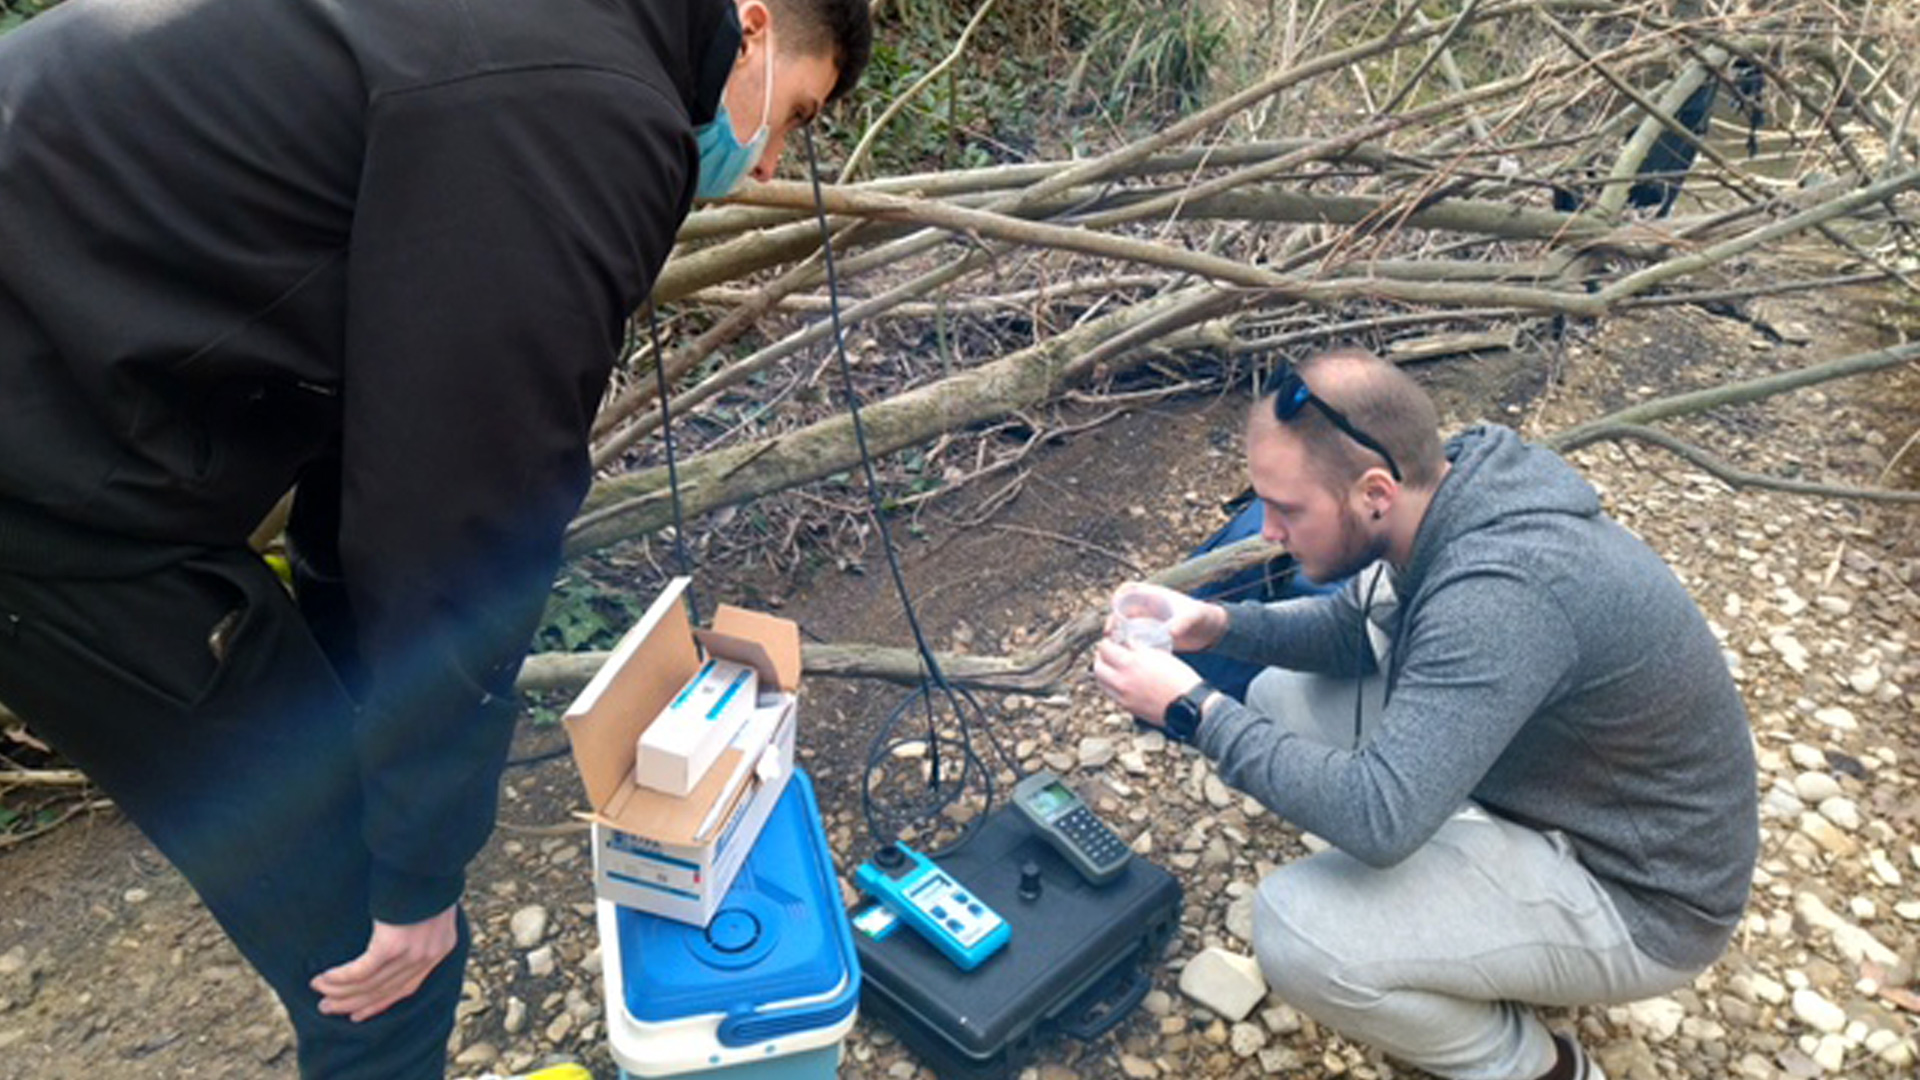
(1057, 813)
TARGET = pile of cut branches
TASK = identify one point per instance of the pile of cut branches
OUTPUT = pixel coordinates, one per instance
(1424, 186)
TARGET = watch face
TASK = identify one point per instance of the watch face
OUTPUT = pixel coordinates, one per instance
(1181, 719)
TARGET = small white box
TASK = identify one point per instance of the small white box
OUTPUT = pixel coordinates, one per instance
(676, 856)
(682, 742)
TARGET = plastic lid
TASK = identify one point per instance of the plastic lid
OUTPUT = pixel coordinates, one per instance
(779, 936)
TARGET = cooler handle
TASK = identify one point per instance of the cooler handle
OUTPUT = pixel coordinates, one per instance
(748, 1024)
(1089, 1021)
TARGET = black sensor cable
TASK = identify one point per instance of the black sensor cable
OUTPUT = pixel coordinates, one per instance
(936, 694)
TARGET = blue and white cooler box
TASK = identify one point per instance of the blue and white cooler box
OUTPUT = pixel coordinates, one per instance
(765, 991)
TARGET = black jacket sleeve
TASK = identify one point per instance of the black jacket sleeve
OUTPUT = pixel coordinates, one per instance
(505, 225)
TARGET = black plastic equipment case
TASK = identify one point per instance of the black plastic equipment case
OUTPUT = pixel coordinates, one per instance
(1081, 957)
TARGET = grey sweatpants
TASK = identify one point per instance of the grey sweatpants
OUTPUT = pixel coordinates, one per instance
(1437, 959)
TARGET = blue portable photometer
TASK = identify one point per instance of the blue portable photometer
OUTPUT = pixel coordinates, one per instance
(926, 898)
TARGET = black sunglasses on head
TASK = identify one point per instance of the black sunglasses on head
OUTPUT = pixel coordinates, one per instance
(1291, 394)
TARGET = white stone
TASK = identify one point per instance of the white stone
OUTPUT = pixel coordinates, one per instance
(1815, 787)
(1858, 944)
(1834, 605)
(1908, 910)
(1226, 982)
(1883, 868)
(1865, 680)
(1899, 1055)
(1246, 1039)
(1831, 1053)
(529, 926)
(1863, 908)
(1240, 919)
(540, 962)
(1829, 836)
(1218, 794)
(1790, 651)
(1879, 1039)
(1660, 1017)
(1842, 811)
(1702, 1029)
(1781, 802)
(1769, 990)
(1837, 717)
(1281, 1019)
(515, 1020)
(1808, 758)
(1818, 1013)
(1095, 751)
(1852, 942)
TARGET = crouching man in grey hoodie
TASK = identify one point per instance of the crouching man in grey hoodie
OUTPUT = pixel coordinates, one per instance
(1512, 724)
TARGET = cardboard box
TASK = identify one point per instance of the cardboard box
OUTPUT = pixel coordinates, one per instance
(669, 855)
(684, 741)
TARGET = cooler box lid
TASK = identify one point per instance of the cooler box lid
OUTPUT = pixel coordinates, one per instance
(777, 957)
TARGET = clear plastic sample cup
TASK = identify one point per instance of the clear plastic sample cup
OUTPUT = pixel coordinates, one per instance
(1143, 619)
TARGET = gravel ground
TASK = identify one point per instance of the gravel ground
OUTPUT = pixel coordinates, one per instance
(114, 970)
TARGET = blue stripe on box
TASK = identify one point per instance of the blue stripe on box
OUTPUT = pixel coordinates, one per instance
(692, 685)
(631, 880)
(738, 681)
(641, 853)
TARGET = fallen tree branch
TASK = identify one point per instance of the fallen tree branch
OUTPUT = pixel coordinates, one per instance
(1733, 393)
(637, 503)
(43, 778)
(929, 309)
(1036, 670)
(1736, 477)
(1849, 203)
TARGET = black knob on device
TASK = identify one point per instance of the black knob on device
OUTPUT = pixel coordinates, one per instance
(1029, 880)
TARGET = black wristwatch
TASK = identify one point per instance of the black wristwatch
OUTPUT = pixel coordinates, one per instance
(1183, 714)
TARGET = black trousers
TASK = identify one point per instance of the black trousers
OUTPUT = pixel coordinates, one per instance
(198, 697)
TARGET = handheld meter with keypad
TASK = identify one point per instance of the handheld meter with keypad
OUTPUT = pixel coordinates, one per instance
(1068, 824)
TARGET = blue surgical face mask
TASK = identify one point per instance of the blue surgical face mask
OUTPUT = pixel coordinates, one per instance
(724, 160)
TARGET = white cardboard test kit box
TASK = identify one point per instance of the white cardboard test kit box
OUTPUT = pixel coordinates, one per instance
(669, 855)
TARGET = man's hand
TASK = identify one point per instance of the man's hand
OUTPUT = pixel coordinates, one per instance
(1142, 681)
(1196, 625)
(398, 959)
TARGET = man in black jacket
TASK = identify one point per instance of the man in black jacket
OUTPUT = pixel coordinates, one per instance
(380, 253)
